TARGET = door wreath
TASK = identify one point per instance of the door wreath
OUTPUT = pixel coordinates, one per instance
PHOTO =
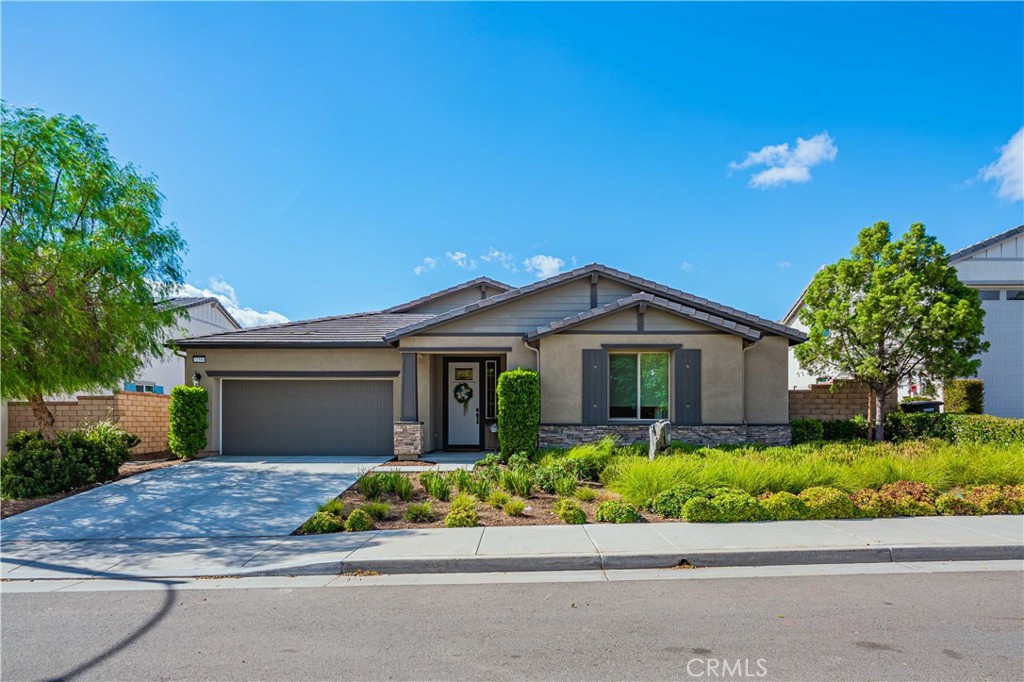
(463, 393)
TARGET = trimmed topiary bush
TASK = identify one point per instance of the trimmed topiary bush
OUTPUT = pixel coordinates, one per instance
(359, 520)
(322, 522)
(828, 503)
(614, 511)
(964, 396)
(784, 507)
(188, 421)
(569, 512)
(518, 411)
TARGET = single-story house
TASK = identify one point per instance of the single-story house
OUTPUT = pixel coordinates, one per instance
(614, 352)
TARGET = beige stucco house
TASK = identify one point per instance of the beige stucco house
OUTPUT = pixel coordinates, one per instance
(614, 353)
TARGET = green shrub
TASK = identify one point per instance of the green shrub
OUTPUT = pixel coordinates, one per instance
(1014, 495)
(584, 462)
(461, 479)
(517, 481)
(436, 485)
(462, 513)
(954, 428)
(520, 460)
(490, 460)
(615, 511)
(964, 396)
(955, 504)
(566, 486)
(570, 512)
(371, 486)
(420, 512)
(586, 494)
(377, 510)
(669, 504)
(725, 507)
(35, 468)
(989, 499)
(359, 520)
(403, 488)
(514, 508)
(188, 421)
(784, 506)
(389, 480)
(828, 503)
(498, 499)
(481, 488)
(640, 480)
(322, 522)
(806, 431)
(518, 411)
(333, 506)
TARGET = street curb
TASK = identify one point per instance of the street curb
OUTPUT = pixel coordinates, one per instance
(623, 561)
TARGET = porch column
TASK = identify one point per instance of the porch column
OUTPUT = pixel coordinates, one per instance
(410, 406)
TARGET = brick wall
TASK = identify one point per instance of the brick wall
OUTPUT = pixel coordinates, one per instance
(845, 402)
(144, 414)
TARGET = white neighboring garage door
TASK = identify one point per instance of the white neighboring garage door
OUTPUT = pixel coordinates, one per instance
(306, 417)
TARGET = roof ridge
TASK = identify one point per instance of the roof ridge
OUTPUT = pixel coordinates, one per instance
(482, 279)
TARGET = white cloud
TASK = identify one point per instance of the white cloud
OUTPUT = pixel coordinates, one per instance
(461, 259)
(784, 265)
(543, 266)
(1008, 170)
(786, 165)
(502, 258)
(228, 297)
(428, 264)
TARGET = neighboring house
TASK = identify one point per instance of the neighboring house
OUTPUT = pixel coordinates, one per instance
(614, 352)
(995, 267)
(159, 375)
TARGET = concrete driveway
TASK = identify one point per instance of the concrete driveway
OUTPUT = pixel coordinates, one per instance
(217, 497)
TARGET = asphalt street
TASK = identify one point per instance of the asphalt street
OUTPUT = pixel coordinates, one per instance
(935, 626)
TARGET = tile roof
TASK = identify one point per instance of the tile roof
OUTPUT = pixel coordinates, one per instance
(357, 330)
(985, 243)
(676, 295)
(493, 283)
(654, 301)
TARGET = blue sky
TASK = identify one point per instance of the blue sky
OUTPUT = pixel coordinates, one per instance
(318, 156)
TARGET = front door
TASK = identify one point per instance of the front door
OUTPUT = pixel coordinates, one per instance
(464, 404)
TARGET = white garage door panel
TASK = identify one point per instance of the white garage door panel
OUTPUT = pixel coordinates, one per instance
(306, 417)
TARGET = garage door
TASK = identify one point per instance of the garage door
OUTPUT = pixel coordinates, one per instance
(306, 417)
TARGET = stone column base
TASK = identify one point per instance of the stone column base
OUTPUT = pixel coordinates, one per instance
(408, 440)
(568, 435)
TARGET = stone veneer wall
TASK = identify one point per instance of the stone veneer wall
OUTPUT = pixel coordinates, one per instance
(846, 401)
(408, 440)
(144, 414)
(568, 435)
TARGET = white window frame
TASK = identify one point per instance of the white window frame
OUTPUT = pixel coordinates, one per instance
(639, 386)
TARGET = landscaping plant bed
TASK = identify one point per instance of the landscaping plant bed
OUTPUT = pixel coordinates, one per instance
(607, 483)
(128, 469)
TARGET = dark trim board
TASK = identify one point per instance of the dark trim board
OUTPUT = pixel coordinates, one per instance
(185, 343)
(458, 349)
(285, 374)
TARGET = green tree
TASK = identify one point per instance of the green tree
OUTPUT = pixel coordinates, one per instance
(893, 310)
(85, 256)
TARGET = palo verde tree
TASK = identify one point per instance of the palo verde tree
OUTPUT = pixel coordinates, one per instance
(893, 310)
(85, 256)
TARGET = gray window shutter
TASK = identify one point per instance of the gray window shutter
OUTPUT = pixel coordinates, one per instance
(595, 386)
(687, 391)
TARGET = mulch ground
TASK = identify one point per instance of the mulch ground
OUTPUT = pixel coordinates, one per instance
(538, 509)
(12, 507)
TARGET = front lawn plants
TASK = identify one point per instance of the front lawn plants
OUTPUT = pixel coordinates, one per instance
(605, 482)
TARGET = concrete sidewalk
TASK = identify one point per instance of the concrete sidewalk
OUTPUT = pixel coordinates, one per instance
(526, 548)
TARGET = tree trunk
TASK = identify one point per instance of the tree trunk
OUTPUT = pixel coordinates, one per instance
(879, 414)
(47, 424)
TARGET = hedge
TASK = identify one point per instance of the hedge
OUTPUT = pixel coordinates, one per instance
(188, 421)
(811, 430)
(954, 428)
(964, 396)
(518, 411)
